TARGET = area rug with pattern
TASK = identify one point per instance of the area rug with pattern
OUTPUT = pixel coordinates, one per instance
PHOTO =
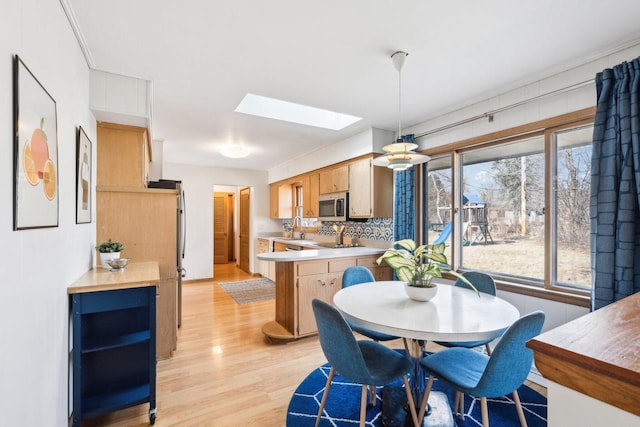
(253, 290)
(343, 404)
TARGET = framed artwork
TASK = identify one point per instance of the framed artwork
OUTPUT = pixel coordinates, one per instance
(83, 177)
(35, 152)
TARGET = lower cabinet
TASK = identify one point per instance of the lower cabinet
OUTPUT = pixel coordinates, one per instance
(298, 283)
(380, 272)
(113, 351)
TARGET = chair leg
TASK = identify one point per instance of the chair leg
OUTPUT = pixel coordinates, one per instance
(406, 346)
(516, 398)
(372, 395)
(458, 406)
(456, 403)
(485, 412)
(363, 404)
(425, 398)
(412, 405)
(488, 349)
(324, 395)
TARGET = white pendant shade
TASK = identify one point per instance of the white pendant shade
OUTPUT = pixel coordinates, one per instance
(400, 161)
(400, 155)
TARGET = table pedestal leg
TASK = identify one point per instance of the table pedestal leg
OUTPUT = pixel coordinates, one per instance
(395, 412)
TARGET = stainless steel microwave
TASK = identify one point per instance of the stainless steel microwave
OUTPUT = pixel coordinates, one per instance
(332, 207)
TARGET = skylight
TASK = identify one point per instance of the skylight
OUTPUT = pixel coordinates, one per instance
(296, 113)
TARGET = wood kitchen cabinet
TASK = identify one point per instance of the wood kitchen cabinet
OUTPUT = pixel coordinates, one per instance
(380, 272)
(123, 156)
(311, 192)
(370, 190)
(280, 201)
(145, 222)
(334, 180)
(299, 282)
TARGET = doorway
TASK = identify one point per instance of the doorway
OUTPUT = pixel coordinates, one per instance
(223, 227)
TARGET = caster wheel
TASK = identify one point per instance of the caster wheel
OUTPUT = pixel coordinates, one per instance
(152, 416)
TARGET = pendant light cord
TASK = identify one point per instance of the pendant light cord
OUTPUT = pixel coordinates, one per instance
(400, 104)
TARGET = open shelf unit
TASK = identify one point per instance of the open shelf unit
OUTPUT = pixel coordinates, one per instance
(114, 351)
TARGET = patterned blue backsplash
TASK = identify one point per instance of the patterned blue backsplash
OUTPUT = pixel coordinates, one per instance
(373, 229)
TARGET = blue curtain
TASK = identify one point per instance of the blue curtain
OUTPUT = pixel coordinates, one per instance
(404, 210)
(615, 185)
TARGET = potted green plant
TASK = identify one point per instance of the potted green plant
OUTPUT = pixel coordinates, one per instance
(109, 250)
(417, 266)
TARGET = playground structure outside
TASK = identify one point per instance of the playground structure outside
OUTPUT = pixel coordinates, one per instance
(521, 257)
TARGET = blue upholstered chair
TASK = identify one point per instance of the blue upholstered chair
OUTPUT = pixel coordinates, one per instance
(471, 372)
(485, 284)
(355, 276)
(364, 362)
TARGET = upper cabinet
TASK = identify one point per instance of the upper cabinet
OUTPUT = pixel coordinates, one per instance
(310, 192)
(334, 180)
(280, 201)
(123, 156)
(370, 190)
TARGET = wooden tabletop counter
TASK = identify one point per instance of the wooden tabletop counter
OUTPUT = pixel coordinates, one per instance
(597, 354)
(135, 275)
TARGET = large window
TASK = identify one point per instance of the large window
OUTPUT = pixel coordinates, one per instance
(517, 208)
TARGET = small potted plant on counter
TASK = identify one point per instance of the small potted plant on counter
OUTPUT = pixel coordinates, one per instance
(417, 266)
(109, 250)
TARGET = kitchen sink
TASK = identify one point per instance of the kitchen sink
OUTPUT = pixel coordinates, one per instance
(335, 246)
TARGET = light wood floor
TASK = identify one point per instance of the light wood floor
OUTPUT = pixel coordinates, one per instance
(224, 372)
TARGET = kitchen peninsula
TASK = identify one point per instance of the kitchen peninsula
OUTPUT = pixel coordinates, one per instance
(312, 273)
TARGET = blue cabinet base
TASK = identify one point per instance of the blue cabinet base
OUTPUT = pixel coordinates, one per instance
(114, 351)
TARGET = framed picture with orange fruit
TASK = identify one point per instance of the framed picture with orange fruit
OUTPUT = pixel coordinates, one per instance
(35, 154)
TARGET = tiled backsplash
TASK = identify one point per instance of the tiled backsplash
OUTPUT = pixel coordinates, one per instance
(373, 229)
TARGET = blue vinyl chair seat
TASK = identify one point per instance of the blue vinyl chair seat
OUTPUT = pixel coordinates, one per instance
(354, 276)
(476, 374)
(364, 362)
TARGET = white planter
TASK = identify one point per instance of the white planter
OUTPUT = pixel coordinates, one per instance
(420, 294)
(106, 256)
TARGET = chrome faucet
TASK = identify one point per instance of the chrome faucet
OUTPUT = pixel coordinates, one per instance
(293, 226)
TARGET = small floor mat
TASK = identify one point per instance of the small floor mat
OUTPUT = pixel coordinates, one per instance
(247, 291)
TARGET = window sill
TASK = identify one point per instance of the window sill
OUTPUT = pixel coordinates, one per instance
(538, 292)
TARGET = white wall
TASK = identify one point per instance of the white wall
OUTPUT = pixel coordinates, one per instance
(38, 265)
(566, 102)
(198, 183)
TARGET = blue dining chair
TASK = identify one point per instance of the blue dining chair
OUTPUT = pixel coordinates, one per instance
(363, 362)
(471, 372)
(485, 284)
(354, 276)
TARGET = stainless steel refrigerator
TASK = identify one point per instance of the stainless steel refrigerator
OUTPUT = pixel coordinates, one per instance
(181, 228)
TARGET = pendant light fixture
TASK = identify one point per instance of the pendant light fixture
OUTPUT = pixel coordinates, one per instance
(399, 155)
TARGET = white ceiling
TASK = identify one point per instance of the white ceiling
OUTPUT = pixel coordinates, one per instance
(203, 56)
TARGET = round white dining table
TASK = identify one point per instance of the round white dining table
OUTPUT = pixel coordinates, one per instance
(454, 314)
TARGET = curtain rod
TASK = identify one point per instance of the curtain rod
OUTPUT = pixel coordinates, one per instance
(491, 113)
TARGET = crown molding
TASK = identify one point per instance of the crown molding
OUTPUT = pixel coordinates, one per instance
(75, 26)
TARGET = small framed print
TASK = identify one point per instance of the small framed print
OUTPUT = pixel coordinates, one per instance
(83, 177)
(35, 153)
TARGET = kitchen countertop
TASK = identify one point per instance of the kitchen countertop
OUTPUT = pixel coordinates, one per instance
(135, 275)
(321, 253)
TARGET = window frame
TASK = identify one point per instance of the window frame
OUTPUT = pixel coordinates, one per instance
(547, 129)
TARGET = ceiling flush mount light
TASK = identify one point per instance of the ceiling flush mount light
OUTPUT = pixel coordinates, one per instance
(235, 151)
(295, 113)
(399, 155)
